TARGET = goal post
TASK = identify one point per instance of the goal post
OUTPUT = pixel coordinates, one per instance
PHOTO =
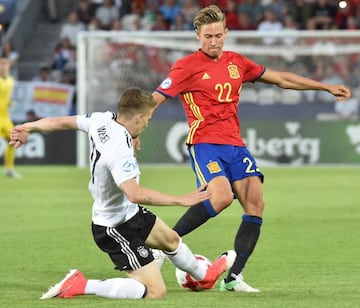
(108, 62)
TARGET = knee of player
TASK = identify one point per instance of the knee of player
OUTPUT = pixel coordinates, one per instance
(172, 241)
(156, 292)
(222, 202)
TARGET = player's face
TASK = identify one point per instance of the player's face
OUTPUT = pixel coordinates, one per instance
(143, 122)
(212, 37)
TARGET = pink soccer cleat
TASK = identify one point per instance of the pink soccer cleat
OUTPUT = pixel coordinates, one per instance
(72, 285)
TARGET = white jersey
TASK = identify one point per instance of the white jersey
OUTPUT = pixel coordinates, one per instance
(112, 162)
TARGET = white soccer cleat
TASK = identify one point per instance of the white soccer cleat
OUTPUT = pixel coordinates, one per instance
(237, 285)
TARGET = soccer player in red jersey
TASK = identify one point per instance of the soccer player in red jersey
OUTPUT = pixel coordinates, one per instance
(209, 82)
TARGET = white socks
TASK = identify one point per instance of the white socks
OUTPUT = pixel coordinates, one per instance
(184, 259)
(116, 288)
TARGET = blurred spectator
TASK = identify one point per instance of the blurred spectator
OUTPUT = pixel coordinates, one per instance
(85, 12)
(63, 53)
(125, 7)
(253, 8)
(290, 27)
(347, 109)
(188, 11)
(231, 15)
(350, 23)
(323, 14)
(288, 38)
(341, 17)
(106, 13)
(116, 25)
(52, 10)
(357, 16)
(9, 51)
(170, 9)
(270, 24)
(279, 7)
(94, 25)
(7, 13)
(71, 28)
(330, 77)
(204, 3)
(132, 20)
(245, 23)
(148, 18)
(301, 11)
(160, 23)
(178, 25)
(31, 116)
(45, 75)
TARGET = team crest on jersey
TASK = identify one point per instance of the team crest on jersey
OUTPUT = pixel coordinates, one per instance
(166, 83)
(233, 71)
(213, 167)
(143, 252)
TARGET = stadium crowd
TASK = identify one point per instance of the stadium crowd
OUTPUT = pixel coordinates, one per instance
(240, 14)
(177, 15)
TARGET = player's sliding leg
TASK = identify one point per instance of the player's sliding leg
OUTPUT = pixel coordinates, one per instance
(75, 284)
(206, 276)
(184, 259)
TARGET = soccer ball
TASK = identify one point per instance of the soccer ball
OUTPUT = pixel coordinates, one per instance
(186, 281)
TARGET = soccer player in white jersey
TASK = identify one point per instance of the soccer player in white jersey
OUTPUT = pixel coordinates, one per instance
(121, 227)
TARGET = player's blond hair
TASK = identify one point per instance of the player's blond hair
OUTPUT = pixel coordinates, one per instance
(134, 101)
(209, 15)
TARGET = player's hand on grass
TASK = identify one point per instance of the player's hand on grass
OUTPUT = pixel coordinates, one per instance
(197, 196)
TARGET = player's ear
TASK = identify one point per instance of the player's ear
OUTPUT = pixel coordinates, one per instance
(197, 33)
(138, 118)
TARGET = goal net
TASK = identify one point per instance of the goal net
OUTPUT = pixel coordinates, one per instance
(109, 62)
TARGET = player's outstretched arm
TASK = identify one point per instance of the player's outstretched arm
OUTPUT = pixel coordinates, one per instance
(287, 80)
(143, 195)
(19, 134)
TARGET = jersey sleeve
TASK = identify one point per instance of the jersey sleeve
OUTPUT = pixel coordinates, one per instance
(176, 82)
(84, 122)
(253, 70)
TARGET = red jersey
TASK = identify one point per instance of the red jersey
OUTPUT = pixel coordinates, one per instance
(210, 92)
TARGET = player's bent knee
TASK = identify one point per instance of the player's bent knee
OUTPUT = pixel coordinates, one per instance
(171, 242)
(223, 203)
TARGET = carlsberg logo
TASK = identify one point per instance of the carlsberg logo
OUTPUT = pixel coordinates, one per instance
(296, 148)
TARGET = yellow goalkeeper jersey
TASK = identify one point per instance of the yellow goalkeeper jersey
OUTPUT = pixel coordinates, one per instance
(6, 88)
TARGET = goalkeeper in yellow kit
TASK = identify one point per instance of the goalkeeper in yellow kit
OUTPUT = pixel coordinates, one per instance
(6, 124)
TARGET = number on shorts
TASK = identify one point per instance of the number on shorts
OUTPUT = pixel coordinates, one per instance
(250, 165)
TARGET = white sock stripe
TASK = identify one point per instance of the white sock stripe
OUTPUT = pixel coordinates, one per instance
(125, 247)
(173, 253)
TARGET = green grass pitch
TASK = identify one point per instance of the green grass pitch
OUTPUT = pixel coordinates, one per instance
(307, 256)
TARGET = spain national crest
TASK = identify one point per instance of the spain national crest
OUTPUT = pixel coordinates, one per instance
(233, 71)
(213, 167)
